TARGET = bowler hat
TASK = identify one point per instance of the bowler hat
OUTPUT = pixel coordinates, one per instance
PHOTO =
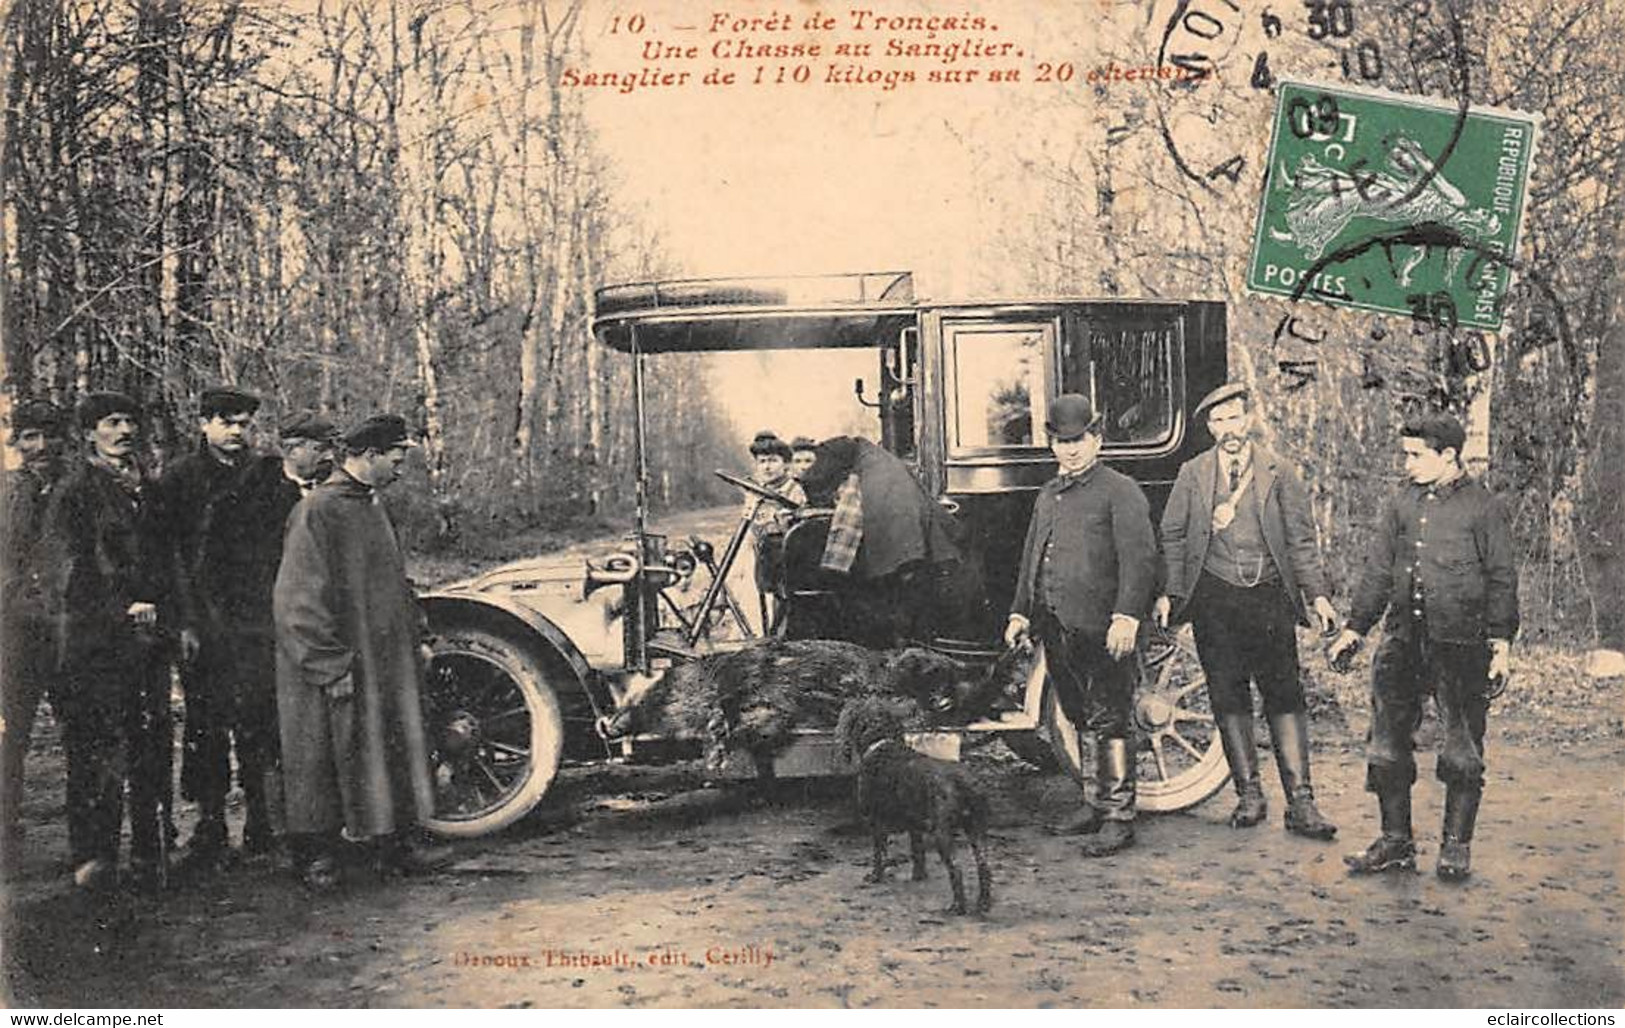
(98, 405)
(308, 424)
(1071, 416)
(1224, 394)
(378, 432)
(37, 414)
(225, 402)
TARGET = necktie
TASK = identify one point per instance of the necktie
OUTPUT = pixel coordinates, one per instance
(1235, 475)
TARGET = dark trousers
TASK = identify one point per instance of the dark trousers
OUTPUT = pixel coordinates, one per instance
(1407, 669)
(24, 675)
(1095, 691)
(231, 700)
(118, 737)
(1245, 636)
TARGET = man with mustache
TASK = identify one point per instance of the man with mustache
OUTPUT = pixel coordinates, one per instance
(1087, 572)
(1241, 562)
(109, 592)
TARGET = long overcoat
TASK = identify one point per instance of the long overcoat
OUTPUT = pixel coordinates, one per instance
(344, 608)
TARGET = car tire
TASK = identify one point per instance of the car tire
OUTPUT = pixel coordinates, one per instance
(496, 733)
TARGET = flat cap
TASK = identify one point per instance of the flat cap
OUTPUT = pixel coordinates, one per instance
(1439, 430)
(1071, 415)
(42, 415)
(98, 405)
(378, 432)
(225, 402)
(1224, 394)
(801, 442)
(307, 424)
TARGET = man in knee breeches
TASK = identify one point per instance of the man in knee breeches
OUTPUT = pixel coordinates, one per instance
(1087, 572)
(1442, 569)
(1242, 563)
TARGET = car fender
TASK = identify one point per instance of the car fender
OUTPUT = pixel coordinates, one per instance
(500, 613)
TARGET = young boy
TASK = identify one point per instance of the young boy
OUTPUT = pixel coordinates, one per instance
(1442, 569)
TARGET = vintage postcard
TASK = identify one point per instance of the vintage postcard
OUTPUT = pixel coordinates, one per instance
(1003, 503)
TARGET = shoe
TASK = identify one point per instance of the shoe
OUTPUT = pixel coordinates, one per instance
(1388, 853)
(146, 876)
(1460, 815)
(320, 874)
(1304, 818)
(1455, 860)
(1085, 822)
(1113, 837)
(409, 853)
(1236, 735)
(258, 841)
(1291, 735)
(95, 875)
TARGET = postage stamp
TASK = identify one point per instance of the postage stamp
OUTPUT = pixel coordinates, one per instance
(1392, 203)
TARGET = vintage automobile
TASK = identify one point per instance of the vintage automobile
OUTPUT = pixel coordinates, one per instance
(532, 658)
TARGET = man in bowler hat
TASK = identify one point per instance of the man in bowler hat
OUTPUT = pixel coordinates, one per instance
(1241, 561)
(1088, 569)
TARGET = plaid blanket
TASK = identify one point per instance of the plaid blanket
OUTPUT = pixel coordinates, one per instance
(845, 528)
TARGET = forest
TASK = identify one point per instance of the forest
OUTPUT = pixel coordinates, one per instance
(347, 204)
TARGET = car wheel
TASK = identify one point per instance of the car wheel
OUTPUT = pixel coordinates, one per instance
(496, 734)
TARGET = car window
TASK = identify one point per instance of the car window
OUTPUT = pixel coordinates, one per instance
(1126, 366)
(999, 388)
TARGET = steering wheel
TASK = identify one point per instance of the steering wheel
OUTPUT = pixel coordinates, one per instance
(760, 490)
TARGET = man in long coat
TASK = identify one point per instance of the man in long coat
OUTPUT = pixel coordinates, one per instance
(1242, 563)
(354, 754)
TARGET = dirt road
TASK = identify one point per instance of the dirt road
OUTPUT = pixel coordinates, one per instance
(638, 888)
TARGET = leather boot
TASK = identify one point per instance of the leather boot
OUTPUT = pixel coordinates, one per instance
(410, 852)
(208, 847)
(1460, 814)
(1291, 735)
(1236, 734)
(1114, 792)
(1088, 820)
(1393, 850)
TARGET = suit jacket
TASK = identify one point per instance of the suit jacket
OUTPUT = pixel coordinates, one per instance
(1279, 499)
(1104, 555)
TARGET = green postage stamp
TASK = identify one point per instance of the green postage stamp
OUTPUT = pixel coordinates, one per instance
(1392, 203)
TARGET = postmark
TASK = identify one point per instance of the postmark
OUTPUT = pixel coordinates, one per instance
(1418, 203)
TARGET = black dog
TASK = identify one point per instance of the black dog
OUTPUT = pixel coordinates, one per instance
(751, 699)
(901, 790)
